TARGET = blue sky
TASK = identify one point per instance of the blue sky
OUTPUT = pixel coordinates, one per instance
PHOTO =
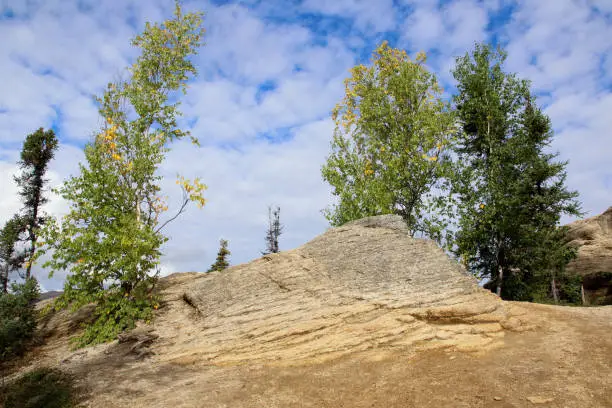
(270, 73)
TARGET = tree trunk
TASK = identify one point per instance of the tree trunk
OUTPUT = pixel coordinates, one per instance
(582, 294)
(32, 237)
(500, 279)
(555, 292)
(4, 279)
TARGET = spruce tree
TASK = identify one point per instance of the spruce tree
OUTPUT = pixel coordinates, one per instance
(38, 150)
(275, 229)
(511, 192)
(221, 262)
(11, 259)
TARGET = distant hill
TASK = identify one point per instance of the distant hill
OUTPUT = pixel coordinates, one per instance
(49, 295)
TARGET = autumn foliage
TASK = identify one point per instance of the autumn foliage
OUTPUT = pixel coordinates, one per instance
(110, 240)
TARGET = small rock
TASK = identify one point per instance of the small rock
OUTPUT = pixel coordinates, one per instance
(497, 398)
(540, 400)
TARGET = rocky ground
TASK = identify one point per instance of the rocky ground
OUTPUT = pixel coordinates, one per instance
(362, 316)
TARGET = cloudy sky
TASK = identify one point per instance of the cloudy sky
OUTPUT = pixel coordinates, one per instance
(270, 72)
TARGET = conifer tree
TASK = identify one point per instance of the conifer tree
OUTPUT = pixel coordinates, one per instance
(221, 262)
(38, 150)
(11, 259)
(23, 228)
(275, 229)
(511, 192)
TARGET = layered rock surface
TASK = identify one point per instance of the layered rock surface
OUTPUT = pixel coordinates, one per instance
(593, 238)
(361, 316)
(365, 285)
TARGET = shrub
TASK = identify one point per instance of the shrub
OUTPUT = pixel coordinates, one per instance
(41, 388)
(17, 318)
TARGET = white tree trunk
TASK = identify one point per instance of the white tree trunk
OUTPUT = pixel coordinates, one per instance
(555, 292)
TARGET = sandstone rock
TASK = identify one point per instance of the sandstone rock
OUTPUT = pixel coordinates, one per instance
(540, 400)
(408, 325)
(139, 341)
(364, 285)
(593, 238)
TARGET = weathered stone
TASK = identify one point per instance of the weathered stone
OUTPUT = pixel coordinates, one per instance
(593, 238)
(540, 400)
(364, 285)
(139, 341)
(411, 328)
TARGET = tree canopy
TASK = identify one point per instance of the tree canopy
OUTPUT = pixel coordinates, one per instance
(511, 190)
(390, 144)
(111, 238)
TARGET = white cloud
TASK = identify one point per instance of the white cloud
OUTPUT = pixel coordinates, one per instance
(424, 28)
(9, 204)
(369, 16)
(60, 53)
(241, 186)
(241, 52)
(243, 47)
(563, 47)
(445, 31)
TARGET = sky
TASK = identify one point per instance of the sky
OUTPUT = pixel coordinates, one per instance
(270, 73)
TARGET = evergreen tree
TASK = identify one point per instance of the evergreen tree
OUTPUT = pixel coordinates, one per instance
(221, 262)
(511, 193)
(17, 317)
(38, 150)
(10, 258)
(390, 145)
(275, 229)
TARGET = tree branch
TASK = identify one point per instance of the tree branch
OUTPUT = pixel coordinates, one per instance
(180, 211)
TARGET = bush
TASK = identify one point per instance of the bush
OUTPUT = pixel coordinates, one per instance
(570, 289)
(114, 314)
(17, 318)
(41, 388)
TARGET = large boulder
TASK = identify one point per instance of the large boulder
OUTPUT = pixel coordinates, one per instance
(593, 238)
(364, 285)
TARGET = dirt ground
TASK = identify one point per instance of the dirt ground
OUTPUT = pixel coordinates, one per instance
(564, 361)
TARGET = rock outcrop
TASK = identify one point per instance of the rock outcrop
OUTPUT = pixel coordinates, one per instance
(365, 285)
(361, 316)
(593, 238)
